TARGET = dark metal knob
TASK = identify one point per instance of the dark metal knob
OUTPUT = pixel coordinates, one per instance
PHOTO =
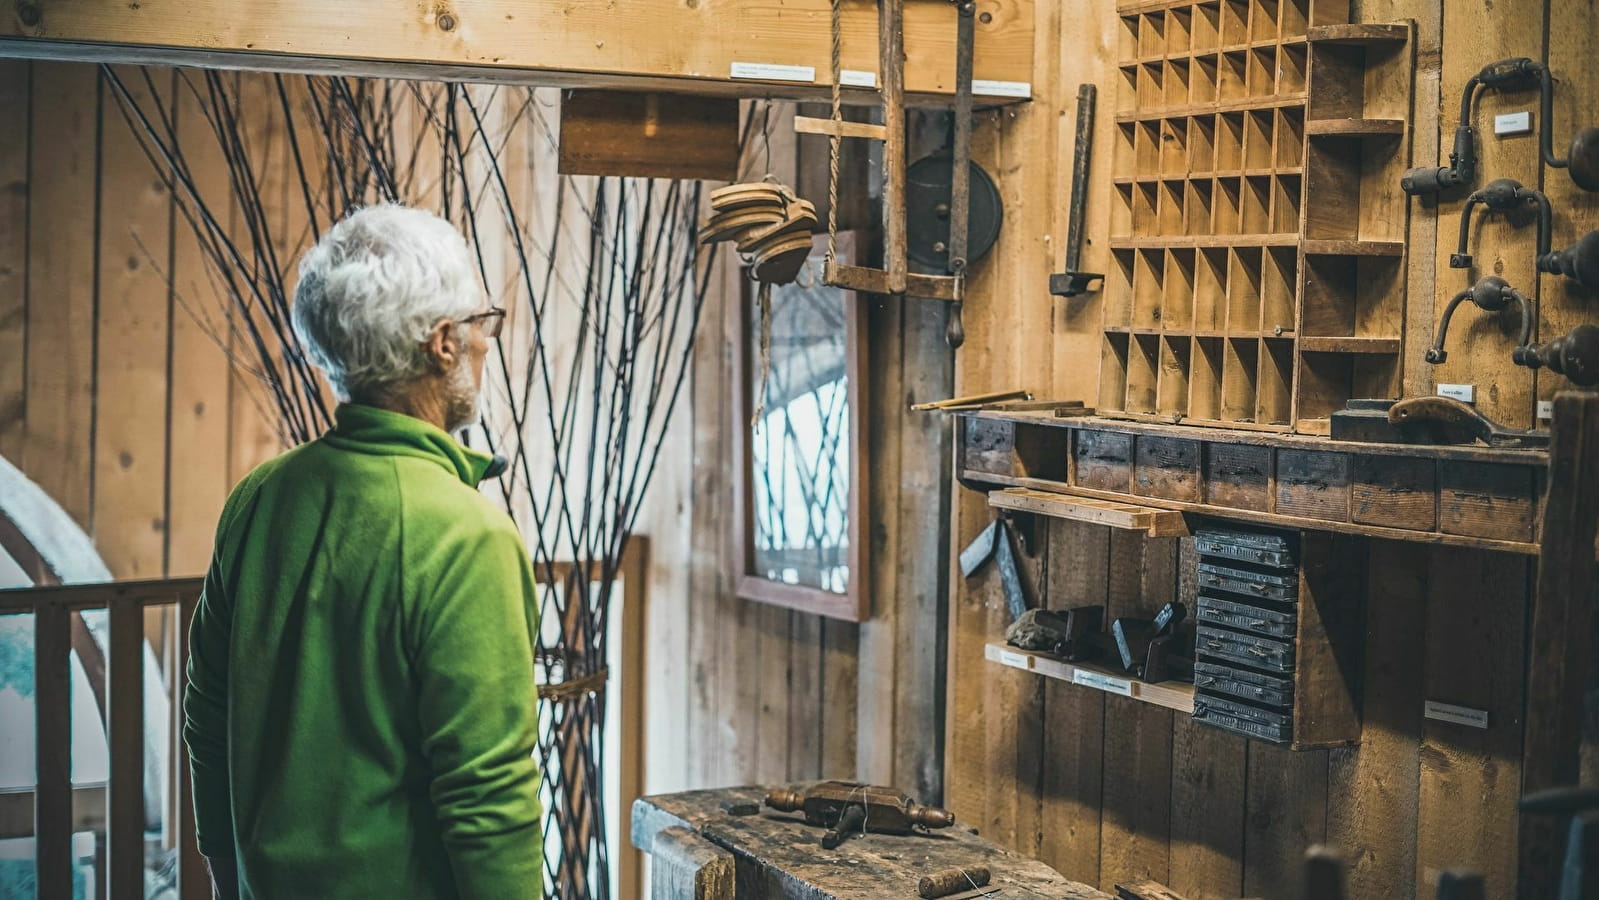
(1574, 355)
(1579, 262)
(1583, 159)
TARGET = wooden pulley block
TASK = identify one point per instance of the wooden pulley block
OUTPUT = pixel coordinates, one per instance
(780, 262)
(732, 224)
(800, 218)
(740, 196)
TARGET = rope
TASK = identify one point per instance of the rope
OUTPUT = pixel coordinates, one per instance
(764, 300)
(834, 139)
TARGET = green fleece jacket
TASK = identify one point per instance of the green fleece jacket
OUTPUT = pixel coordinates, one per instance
(360, 713)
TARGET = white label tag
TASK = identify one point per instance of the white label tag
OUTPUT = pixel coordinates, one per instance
(1513, 123)
(1465, 393)
(1460, 715)
(988, 88)
(857, 78)
(1016, 660)
(1546, 409)
(1108, 683)
(772, 72)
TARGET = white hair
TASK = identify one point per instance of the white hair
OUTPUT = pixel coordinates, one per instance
(371, 290)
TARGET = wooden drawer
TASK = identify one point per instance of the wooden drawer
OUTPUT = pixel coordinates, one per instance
(1104, 460)
(1239, 475)
(1396, 491)
(1167, 468)
(1487, 500)
(1313, 483)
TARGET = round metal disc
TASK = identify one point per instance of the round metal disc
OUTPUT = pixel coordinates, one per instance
(927, 184)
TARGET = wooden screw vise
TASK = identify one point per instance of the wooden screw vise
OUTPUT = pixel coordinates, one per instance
(848, 807)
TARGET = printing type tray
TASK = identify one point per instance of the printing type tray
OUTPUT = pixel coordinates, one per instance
(1212, 678)
(1261, 620)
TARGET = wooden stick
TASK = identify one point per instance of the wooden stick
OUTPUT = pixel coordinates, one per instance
(891, 59)
(973, 400)
(809, 125)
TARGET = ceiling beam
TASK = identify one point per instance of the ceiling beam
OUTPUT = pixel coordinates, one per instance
(687, 46)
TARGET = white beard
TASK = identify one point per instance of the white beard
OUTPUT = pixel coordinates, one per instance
(462, 408)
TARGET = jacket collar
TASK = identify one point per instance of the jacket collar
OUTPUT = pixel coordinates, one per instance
(367, 429)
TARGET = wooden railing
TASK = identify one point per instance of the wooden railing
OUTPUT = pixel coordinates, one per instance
(54, 610)
(57, 611)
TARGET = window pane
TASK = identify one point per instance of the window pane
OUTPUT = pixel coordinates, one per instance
(800, 444)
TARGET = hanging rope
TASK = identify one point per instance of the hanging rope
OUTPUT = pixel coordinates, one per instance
(835, 139)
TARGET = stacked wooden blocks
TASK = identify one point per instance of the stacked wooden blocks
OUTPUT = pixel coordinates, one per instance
(768, 224)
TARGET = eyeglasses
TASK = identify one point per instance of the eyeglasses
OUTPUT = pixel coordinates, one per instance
(492, 321)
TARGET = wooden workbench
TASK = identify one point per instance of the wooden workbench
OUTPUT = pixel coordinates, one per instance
(777, 855)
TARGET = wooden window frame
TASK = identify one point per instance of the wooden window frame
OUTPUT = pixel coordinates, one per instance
(854, 604)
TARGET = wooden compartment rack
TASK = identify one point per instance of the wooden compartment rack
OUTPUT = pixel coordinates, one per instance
(1258, 266)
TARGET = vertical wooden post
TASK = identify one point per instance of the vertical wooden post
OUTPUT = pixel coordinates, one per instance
(635, 592)
(52, 698)
(125, 738)
(891, 44)
(1558, 658)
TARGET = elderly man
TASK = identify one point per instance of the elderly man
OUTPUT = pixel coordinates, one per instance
(360, 712)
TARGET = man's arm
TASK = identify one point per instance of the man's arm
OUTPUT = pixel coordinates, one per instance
(477, 705)
(205, 731)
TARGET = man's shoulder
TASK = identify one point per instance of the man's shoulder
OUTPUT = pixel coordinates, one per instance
(430, 493)
(251, 484)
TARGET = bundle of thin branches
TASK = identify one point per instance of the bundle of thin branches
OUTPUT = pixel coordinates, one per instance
(604, 285)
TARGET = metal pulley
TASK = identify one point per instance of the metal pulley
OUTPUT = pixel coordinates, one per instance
(927, 211)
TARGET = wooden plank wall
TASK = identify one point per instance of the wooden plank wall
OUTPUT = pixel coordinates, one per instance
(1108, 789)
(112, 397)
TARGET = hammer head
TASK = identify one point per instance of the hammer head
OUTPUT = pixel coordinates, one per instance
(1070, 284)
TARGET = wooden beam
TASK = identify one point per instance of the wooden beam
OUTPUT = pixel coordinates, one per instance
(98, 596)
(1557, 674)
(809, 125)
(635, 567)
(740, 47)
(649, 135)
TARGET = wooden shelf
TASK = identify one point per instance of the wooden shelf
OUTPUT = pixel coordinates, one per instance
(1463, 496)
(1263, 172)
(1349, 345)
(1185, 332)
(1177, 695)
(1260, 427)
(1358, 33)
(1355, 127)
(1127, 516)
(1204, 241)
(1353, 248)
(1242, 104)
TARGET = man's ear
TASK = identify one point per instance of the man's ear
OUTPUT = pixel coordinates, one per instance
(441, 347)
